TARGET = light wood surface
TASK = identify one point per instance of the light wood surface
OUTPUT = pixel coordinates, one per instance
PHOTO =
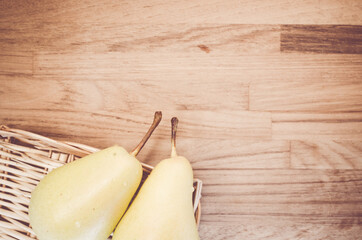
(268, 94)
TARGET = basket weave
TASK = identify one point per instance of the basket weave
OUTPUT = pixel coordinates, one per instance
(25, 158)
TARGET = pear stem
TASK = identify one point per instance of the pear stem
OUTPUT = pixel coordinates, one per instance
(156, 120)
(174, 122)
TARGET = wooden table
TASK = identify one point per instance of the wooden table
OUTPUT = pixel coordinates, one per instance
(268, 93)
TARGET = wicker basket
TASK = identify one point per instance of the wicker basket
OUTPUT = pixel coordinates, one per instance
(25, 158)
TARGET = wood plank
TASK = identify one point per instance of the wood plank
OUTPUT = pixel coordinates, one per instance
(321, 39)
(313, 126)
(332, 221)
(231, 66)
(114, 126)
(301, 196)
(326, 154)
(125, 95)
(52, 35)
(274, 228)
(336, 94)
(211, 11)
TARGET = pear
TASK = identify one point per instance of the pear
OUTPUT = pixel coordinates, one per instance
(163, 208)
(85, 199)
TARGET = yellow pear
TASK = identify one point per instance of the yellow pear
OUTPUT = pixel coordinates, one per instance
(85, 199)
(163, 208)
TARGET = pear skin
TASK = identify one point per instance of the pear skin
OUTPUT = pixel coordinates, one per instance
(163, 208)
(85, 199)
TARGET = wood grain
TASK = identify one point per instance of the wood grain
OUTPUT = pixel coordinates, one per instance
(317, 126)
(315, 94)
(268, 94)
(123, 124)
(99, 95)
(274, 228)
(15, 63)
(321, 39)
(326, 154)
(58, 36)
(306, 196)
(212, 11)
(206, 154)
(237, 67)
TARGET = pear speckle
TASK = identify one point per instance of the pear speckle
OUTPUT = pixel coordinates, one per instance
(125, 184)
(77, 224)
